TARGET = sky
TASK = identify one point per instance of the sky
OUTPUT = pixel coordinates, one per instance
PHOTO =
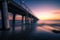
(45, 9)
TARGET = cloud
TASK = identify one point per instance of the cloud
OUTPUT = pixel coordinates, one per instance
(56, 12)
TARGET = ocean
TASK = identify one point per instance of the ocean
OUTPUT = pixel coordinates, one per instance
(42, 31)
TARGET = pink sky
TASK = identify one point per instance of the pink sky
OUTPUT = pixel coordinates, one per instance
(47, 12)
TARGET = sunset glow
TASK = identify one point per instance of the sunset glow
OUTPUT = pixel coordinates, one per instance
(46, 11)
(45, 15)
(48, 15)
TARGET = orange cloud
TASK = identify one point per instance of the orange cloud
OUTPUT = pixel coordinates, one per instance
(56, 11)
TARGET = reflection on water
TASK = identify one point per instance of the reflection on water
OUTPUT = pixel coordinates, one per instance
(17, 28)
(47, 28)
(43, 32)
